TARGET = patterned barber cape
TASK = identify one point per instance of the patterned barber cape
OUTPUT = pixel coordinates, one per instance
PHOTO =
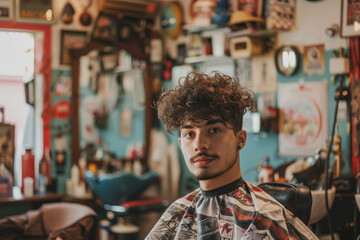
(238, 210)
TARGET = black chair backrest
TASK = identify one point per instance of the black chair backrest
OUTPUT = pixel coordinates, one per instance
(296, 198)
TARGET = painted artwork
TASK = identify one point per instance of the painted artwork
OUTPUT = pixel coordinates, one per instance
(281, 15)
(303, 118)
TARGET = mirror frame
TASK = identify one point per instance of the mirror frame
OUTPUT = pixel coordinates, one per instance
(136, 48)
(278, 53)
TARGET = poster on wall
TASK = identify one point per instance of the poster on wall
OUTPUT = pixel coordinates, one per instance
(314, 60)
(303, 118)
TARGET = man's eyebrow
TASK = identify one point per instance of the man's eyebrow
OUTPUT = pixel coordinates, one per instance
(215, 121)
(208, 123)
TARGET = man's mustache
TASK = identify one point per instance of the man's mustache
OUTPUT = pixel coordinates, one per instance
(203, 154)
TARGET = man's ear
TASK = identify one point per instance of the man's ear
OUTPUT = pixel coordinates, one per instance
(241, 138)
(179, 139)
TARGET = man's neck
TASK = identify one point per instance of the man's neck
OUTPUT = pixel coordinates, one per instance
(227, 177)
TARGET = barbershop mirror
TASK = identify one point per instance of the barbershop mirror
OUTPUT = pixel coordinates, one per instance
(111, 101)
(287, 60)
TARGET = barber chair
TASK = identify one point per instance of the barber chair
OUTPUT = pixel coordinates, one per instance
(52, 221)
(296, 198)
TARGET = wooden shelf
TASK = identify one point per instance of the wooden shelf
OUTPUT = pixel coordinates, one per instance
(209, 58)
(252, 33)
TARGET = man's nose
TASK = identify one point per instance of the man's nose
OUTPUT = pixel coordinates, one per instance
(201, 143)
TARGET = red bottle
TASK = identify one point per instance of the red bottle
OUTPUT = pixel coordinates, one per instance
(28, 167)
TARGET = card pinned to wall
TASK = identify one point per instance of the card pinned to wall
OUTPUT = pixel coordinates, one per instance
(264, 73)
(314, 60)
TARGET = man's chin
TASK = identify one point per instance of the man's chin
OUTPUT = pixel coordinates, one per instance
(206, 176)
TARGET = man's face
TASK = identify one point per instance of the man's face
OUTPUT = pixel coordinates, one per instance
(210, 147)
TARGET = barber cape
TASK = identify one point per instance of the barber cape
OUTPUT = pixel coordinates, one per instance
(238, 210)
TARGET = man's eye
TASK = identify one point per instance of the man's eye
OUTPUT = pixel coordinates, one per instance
(188, 134)
(214, 130)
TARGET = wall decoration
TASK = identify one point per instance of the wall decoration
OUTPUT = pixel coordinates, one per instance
(105, 28)
(281, 15)
(243, 72)
(85, 17)
(201, 12)
(34, 11)
(314, 60)
(350, 18)
(30, 92)
(67, 13)
(171, 19)
(71, 40)
(6, 10)
(7, 146)
(62, 109)
(62, 86)
(254, 7)
(263, 73)
(303, 118)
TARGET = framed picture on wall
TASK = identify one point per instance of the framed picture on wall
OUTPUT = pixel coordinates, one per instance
(34, 11)
(6, 10)
(7, 146)
(350, 18)
(71, 40)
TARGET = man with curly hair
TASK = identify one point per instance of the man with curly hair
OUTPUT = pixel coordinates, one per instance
(207, 111)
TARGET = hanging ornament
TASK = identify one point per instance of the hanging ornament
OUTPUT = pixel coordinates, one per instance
(85, 17)
(67, 13)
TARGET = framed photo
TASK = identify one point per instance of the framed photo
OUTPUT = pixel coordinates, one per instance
(71, 40)
(7, 145)
(6, 10)
(350, 18)
(105, 28)
(34, 11)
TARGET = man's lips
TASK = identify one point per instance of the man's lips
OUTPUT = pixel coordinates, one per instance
(203, 159)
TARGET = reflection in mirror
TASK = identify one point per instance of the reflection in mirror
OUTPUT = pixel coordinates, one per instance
(112, 104)
(287, 60)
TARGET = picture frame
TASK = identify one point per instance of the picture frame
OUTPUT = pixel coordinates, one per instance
(6, 10)
(34, 11)
(105, 29)
(71, 40)
(350, 18)
(7, 145)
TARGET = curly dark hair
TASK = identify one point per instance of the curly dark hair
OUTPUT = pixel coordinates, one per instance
(201, 96)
